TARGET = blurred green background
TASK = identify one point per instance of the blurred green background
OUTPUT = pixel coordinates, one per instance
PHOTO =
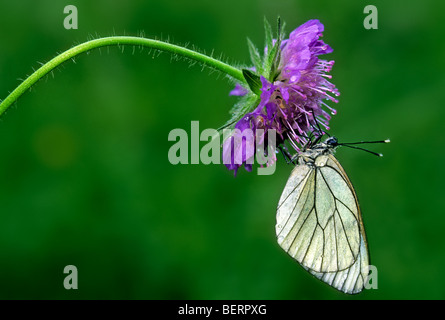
(85, 178)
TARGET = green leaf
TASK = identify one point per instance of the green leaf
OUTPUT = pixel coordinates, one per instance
(255, 56)
(253, 80)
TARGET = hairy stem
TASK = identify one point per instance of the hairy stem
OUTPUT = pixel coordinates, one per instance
(112, 41)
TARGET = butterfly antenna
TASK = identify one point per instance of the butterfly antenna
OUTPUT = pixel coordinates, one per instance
(372, 152)
(364, 142)
(351, 145)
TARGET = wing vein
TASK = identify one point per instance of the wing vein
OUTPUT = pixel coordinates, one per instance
(298, 232)
(296, 203)
(334, 194)
(309, 171)
(341, 220)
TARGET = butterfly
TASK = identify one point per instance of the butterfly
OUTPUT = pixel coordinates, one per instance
(319, 222)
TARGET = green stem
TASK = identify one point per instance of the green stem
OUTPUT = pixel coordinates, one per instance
(111, 41)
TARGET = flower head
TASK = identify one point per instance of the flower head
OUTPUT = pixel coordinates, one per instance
(293, 89)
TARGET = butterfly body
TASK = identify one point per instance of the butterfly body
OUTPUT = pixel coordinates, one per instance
(319, 223)
(310, 155)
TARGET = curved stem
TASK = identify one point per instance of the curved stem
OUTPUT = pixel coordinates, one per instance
(116, 40)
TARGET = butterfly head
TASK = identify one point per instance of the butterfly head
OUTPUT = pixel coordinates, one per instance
(331, 142)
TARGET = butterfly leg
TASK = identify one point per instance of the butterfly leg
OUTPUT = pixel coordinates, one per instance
(286, 154)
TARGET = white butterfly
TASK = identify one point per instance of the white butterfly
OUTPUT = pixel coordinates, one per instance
(319, 223)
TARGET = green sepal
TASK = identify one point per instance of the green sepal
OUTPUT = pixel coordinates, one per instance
(253, 80)
(245, 105)
(273, 55)
(268, 34)
(269, 61)
(255, 56)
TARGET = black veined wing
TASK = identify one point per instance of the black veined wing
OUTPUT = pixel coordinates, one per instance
(319, 222)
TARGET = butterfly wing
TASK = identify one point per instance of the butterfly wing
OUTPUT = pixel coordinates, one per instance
(319, 224)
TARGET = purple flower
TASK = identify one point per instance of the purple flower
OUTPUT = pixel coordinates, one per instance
(239, 148)
(293, 101)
